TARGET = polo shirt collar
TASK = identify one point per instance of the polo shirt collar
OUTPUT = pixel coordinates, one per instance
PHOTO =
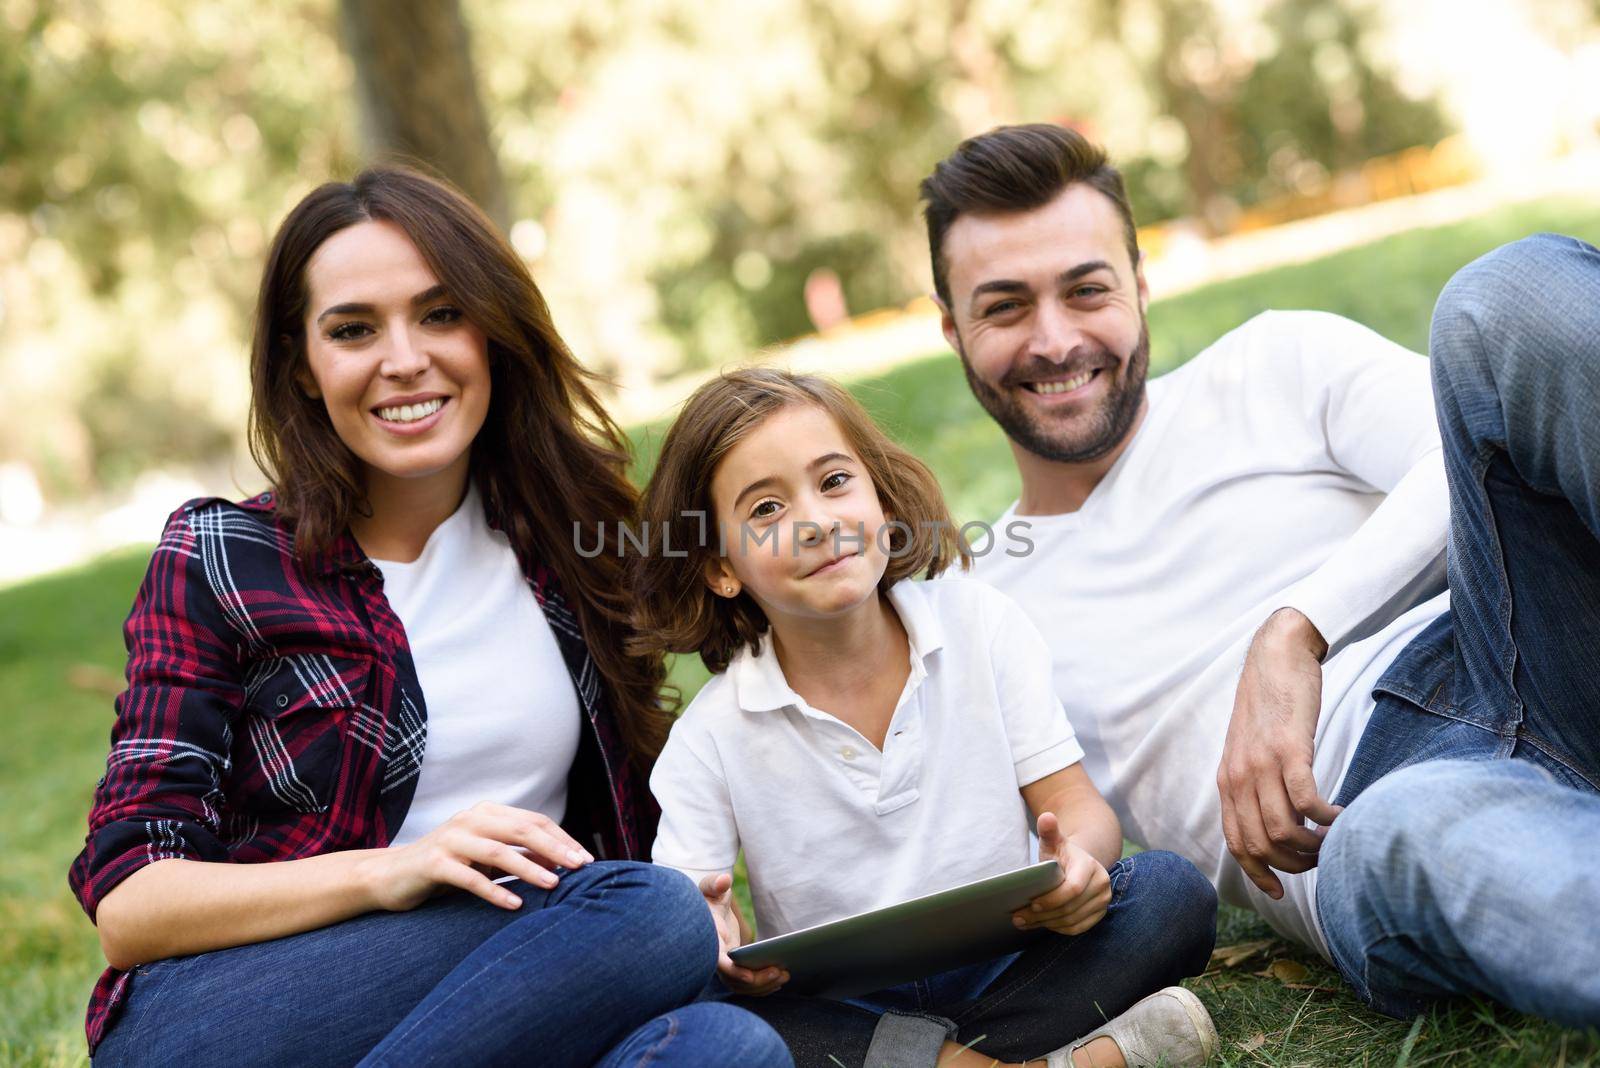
(758, 682)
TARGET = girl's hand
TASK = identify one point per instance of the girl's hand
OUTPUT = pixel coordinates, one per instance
(1081, 898)
(463, 851)
(718, 892)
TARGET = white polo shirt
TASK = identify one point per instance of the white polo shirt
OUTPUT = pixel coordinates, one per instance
(829, 825)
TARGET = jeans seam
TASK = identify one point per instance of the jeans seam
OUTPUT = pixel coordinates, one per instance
(145, 1013)
(1117, 894)
(1480, 467)
(604, 888)
(672, 1032)
(1557, 754)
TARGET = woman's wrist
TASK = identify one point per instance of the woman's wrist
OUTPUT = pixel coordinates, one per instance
(366, 879)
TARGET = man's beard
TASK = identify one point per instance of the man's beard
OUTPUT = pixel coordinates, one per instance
(1081, 437)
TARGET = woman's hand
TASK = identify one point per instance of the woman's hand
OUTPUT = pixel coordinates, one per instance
(718, 892)
(1080, 900)
(463, 851)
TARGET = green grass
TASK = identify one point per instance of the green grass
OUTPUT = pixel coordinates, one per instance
(61, 658)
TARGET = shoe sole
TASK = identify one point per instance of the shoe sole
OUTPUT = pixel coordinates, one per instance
(1198, 1016)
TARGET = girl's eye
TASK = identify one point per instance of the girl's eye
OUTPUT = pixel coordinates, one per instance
(443, 314)
(763, 509)
(349, 331)
(835, 480)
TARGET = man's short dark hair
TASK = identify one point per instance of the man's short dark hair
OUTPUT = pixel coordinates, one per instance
(1011, 169)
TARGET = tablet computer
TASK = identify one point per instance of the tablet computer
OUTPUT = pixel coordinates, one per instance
(917, 938)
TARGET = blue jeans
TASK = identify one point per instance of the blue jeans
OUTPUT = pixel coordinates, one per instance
(1468, 860)
(1159, 928)
(601, 970)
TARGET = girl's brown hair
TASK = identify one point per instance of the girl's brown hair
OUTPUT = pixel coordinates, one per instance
(548, 455)
(675, 611)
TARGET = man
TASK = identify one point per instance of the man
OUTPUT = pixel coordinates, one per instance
(1240, 572)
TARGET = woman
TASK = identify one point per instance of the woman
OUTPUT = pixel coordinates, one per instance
(394, 678)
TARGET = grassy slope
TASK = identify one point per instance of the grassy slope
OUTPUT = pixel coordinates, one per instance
(61, 656)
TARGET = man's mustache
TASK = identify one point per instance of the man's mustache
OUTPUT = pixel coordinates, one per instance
(1040, 369)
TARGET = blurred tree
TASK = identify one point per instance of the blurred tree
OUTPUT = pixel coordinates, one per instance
(146, 150)
(682, 168)
(419, 96)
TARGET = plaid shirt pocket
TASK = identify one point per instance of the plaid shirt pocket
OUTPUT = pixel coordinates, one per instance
(299, 713)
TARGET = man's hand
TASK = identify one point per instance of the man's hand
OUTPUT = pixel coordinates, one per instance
(718, 892)
(1265, 779)
(1079, 901)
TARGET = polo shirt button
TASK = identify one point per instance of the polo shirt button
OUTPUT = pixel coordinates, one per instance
(848, 753)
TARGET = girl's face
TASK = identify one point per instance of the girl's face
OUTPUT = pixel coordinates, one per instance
(800, 519)
(404, 376)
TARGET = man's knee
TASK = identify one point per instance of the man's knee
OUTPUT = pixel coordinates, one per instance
(1508, 300)
(1402, 828)
(1395, 816)
(1372, 875)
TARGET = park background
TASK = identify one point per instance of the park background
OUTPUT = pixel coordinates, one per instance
(698, 184)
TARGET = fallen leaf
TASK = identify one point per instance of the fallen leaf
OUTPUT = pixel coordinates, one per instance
(1254, 1042)
(1232, 956)
(1288, 971)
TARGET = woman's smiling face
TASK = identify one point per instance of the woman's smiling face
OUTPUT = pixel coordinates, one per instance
(403, 374)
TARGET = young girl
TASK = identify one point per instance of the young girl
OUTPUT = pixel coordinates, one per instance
(356, 699)
(867, 738)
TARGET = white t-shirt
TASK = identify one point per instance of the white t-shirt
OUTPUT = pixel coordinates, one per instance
(1296, 462)
(503, 718)
(829, 825)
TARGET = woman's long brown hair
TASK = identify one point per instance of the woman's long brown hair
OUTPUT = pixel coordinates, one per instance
(548, 460)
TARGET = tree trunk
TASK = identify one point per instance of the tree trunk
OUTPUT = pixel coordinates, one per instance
(419, 98)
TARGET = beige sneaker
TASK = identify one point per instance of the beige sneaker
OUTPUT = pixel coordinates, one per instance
(1169, 1029)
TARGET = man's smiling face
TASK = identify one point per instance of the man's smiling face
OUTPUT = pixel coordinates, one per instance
(1047, 313)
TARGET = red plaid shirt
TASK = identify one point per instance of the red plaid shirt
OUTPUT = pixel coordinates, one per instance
(273, 712)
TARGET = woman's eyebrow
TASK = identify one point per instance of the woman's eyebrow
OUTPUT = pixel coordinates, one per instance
(346, 309)
(358, 308)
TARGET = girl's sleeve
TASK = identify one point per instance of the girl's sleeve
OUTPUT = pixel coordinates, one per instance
(161, 792)
(698, 835)
(1042, 740)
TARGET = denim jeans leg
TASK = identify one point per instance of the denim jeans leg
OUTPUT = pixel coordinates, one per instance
(705, 1034)
(615, 944)
(1159, 929)
(1466, 877)
(1516, 371)
(455, 980)
(819, 1032)
(323, 997)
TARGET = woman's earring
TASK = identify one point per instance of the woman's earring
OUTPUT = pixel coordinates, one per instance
(728, 590)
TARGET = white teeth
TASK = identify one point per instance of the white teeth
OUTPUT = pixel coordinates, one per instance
(1063, 387)
(410, 413)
